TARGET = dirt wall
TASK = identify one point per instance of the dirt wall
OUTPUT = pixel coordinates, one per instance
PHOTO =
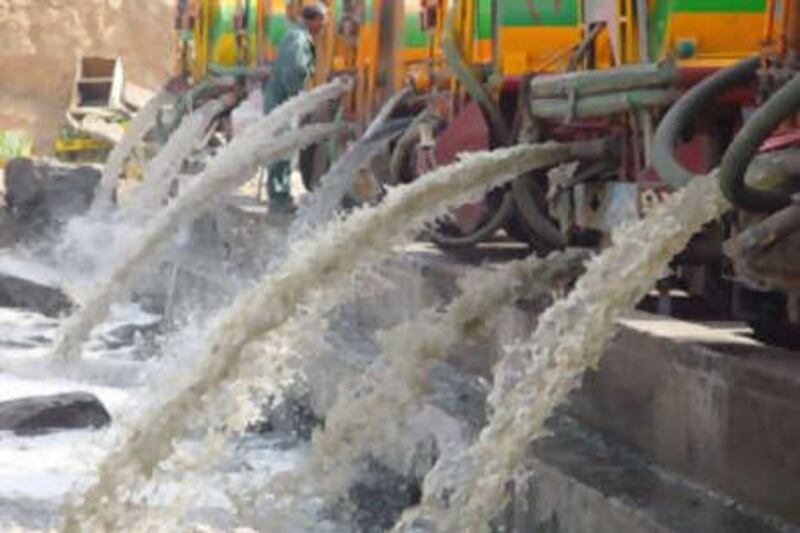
(42, 40)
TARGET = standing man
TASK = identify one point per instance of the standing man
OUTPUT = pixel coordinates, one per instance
(294, 66)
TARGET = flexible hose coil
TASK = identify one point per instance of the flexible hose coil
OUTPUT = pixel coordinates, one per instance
(781, 105)
(683, 112)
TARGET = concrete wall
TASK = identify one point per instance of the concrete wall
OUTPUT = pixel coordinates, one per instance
(719, 410)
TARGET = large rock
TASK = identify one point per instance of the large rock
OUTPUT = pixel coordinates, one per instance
(380, 497)
(291, 416)
(460, 395)
(41, 414)
(24, 293)
(39, 195)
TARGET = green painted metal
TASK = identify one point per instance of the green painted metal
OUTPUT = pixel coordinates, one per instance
(278, 25)
(223, 22)
(658, 25)
(483, 19)
(338, 8)
(369, 14)
(413, 36)
(548, 13)
(719, 6)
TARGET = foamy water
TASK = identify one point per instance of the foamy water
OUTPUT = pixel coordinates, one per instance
(463, 493)
(320, 206)
(374, 418)
(230, 169)
(76, 253)
(164, 167)
(312, 265)
(142, 122)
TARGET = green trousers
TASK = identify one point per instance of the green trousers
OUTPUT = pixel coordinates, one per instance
(279, 182)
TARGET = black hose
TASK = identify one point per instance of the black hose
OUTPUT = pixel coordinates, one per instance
(684, 111)
(781, 105)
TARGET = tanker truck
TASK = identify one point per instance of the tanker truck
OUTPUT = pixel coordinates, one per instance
(759, 167)
(678, 88)
(228, 45)
(561, 70)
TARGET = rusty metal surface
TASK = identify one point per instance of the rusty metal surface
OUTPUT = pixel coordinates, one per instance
(767, 253)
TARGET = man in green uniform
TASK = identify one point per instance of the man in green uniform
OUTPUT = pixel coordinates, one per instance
(293, 67)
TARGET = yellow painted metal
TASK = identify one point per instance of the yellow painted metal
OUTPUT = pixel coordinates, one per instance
(83, 149)
(365, 63)
(533, 48)
(200, 65)
(79, 144)
(216, 40)
(463, 24)
(720, 38)
(541, 49)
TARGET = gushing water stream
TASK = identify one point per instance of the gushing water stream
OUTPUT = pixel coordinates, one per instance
(463, 493)
(76, 250)
(164, 167)
(321, 206)
(232, 167)
(312, 265)
(274, 372)
(144, 120)
(370, 420)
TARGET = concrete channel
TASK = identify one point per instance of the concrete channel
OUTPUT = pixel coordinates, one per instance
(684, 427)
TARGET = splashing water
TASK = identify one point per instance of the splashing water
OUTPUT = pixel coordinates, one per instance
(165, 166)
(321, 206)
(464, 493)
(230, 169)
(312, 265)
(144, 120)
(369, 420)
(76, 251)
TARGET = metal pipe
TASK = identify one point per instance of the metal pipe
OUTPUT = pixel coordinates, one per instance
(793, 31)
(602, 105)
(604, 81)
(496, 7)
(644, 34)
(578, 53)
(783, 25)
(239, 71)
(769, 23)
(769, 231)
